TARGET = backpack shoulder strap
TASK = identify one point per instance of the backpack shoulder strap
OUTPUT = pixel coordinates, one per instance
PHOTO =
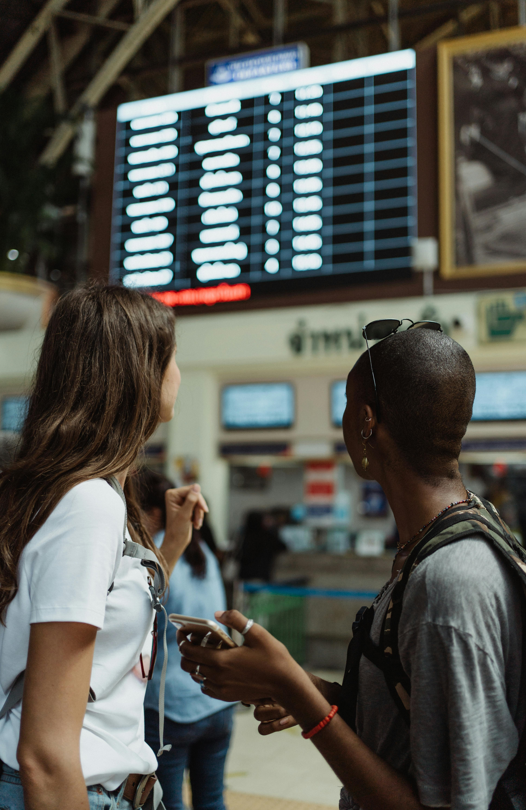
(479, 518)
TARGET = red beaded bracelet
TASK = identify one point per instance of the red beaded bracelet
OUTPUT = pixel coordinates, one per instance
(325, 722)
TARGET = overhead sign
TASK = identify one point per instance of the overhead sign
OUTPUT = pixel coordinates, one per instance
(257, 64)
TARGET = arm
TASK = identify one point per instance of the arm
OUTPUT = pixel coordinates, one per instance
(55, 695)
(264, 667)
(185, 508)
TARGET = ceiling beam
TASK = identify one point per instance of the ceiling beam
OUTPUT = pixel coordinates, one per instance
(29, 39)
(40, 83)
(92, 19)
(57, 67)
(106, 76)
(450, 27)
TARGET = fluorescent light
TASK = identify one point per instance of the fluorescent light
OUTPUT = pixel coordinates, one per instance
(308, 148)
(150, 278)
(154, 154)
(273, 152)
(216, 215)
(157, 242)
(151, 172)
(223, 108)
(308, 129)
(150, 138)
(220, 144)
(311, 241)
(389, 62)
(274, 98)
(272, 227)
(225, 161)
(143, 261)
(274, 117)
(307, 261)
(209, 198)
(307, 184)
(220, 178)
(310, 223)
(272, 246)
(272, 266)
(220, 125)
(308, 110)
(274, 134)
(151, 189)
(273, 190)
(219, 234)
(217, 270)
(148, 224)
(273, 171)
(311, 91)
(232, 250)
(273, 209)
(303, 204)
(310, 166)
(161, 206)
(168, 117)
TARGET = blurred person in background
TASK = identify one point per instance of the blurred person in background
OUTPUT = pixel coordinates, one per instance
(260, 545)
(198, 727)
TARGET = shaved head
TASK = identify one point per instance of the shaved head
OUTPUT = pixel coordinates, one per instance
(426, 386)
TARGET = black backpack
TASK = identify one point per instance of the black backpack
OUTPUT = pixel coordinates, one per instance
(478, 518)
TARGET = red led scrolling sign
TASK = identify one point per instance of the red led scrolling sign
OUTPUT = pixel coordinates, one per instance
(204, 295)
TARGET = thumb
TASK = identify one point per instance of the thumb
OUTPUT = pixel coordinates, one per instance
(187, 509)
(233, 619)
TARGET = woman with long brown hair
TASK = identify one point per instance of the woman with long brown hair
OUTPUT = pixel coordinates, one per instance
(76, 591)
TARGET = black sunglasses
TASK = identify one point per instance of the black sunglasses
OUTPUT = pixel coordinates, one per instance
(378, 330)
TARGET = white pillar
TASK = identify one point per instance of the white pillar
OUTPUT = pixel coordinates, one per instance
(193, 434)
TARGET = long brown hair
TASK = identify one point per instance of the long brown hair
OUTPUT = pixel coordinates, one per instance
(95, 400)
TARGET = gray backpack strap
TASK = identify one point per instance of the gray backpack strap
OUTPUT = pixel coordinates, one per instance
(14, 695)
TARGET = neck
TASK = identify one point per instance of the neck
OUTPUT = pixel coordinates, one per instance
(121, 477)
(415, 501)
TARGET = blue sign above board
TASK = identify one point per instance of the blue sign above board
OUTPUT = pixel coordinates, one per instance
(257, 64)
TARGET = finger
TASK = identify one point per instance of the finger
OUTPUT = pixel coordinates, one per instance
(267, 713)
(278, 725)
(235, 620)
(202, 655)
(204, 671)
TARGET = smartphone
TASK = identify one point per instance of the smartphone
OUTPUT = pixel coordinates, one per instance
(209, 633)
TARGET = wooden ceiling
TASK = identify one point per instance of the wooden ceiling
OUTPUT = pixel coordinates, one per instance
(85, 33)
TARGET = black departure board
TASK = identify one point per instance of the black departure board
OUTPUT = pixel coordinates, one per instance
(294, 181)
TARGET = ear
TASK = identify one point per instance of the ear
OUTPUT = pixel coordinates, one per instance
(367, 420)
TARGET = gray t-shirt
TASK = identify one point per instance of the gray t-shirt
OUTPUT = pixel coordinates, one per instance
(461, 642)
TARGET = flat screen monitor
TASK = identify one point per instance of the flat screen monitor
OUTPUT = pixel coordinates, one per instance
(14, 410)
(296, 181)
(257, 405)
(338, 401)
(500, 396)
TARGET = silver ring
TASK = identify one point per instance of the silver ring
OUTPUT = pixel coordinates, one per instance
(181, 643)
(196, 673)
(247, 627)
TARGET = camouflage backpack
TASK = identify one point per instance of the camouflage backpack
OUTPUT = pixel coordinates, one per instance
(478, 518)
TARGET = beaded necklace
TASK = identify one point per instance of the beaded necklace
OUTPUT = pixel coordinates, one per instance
(399, 546)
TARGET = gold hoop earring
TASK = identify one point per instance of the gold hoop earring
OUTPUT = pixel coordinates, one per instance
(365, 460)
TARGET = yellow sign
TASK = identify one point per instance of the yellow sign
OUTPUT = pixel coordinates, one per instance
(502, 317)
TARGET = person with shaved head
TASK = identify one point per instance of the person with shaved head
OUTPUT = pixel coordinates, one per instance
(432, 708)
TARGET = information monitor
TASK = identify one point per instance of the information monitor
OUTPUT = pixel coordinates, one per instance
(254, 406)
(301, 180)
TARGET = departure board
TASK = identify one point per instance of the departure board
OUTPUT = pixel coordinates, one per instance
(300, 180)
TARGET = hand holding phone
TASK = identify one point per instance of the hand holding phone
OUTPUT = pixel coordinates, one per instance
(205, 631)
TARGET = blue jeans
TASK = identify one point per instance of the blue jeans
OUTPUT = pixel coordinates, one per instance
(12, 796)
(199, 747)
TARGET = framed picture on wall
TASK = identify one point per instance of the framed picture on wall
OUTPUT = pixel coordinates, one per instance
(482, 109)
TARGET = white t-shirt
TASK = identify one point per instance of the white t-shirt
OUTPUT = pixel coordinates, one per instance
(64, 575)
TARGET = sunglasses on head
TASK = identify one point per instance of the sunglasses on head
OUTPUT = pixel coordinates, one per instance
(378, 330)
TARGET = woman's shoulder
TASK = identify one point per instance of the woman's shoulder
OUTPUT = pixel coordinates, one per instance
(91, 507)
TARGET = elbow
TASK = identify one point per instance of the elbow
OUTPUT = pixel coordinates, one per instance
(42, 766)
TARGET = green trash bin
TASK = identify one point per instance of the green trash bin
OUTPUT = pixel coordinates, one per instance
(283, 616)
